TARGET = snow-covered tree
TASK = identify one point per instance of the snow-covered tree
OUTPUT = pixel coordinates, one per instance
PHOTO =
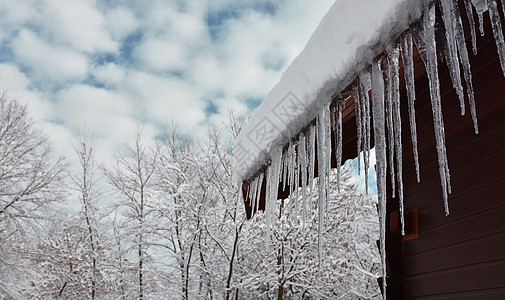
(31, 180)
(283, 262)
(132, 179)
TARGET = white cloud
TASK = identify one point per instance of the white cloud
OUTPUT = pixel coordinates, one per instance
(55, 43)
(11, 78)
(81, 106)
(121, 22)
(156, 54)
(49, 63)
(17, 85)
(110, 74)
(165, 100)
(79, 24)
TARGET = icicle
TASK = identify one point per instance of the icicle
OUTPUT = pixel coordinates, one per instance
(451, 53)
(365, 86)
(297, 179)
(327, 155)
(427, 48)
(249, 191)
(494, 15)
(252, 196)
(284, 170)
(312, 156)
(275, 169)
(408, 67)
(480, 7)
(321, 158)
(471, 21)
(465, 62)
(302, 155)
(268, 198)
(258, 194)
(381, 163)
(359, 122)
(394, 67)
(292, 179)
(338, 137)
(390, 129)
(291, 171)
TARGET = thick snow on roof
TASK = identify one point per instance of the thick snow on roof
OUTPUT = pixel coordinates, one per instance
(346, 40)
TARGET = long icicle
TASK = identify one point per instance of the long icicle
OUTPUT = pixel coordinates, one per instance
(471, 21)
(260, 186)
(465, 63)
(327, 156)
(480, 7)
(297, 178)
(359, 121)
(427, 48)
(365, 86)
(494, 15)
(312, 157)
(252, 199)
(393, 52)
(338, 137)
(267, 199)
(303, 162)
(381, 163)
(408, 73)
(321, 163)
(274, 183)
(390, 128)
(451, 52)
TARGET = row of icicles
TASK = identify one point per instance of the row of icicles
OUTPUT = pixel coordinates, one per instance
(296, 164)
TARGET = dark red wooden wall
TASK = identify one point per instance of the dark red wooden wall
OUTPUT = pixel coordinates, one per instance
(460, 256)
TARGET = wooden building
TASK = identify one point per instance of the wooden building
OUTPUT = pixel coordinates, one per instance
(460, 255)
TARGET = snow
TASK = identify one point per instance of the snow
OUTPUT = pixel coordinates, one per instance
(332, 57)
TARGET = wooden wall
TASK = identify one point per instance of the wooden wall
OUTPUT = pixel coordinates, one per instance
(460, 256)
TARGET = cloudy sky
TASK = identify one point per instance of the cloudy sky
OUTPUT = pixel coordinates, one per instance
(110, 65)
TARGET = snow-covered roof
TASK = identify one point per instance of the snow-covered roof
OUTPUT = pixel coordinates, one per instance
(347, 39)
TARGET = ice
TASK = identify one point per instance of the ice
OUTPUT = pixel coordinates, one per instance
(291, 167)
(408, 73)
(274, 184)
(480, 7)
(359, 122)
(303, 165)
(327, 155)
(252, 197)
(338, 137)
(312, 156)
(465, 62)
(365, 86)
(381, 159)
(393, 52)
(285, 163)
(451, 53)
(268, 196)
(260, 186)
(390, 130)
(494, 15)
(428, 47)
(297, 178)
(471, 21)
(321, 158)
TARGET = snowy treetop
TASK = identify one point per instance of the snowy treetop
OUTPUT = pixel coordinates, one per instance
(346, 40)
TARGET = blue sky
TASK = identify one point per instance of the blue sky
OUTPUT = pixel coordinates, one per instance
(108, 65)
